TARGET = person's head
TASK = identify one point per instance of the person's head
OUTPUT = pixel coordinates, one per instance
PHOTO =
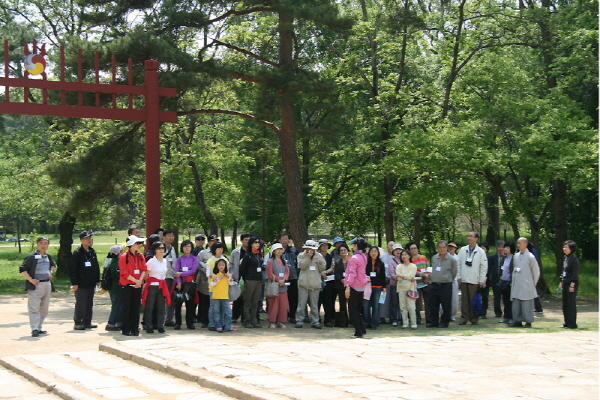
(390, 246)
(569, 247)
(186, 246)
(253, 243)
(472, 238)
(485, 246)
(212, 239)
(324, 245)
(245, 239)
(359, 243)
(133, 230)
(343, 249)
(42, 244)
(153, 238)
(442, 247)
(522, 243)
(168, 236)
(413, 248)
(217, 249)
(115, 251)
(396, 250)
(135, 243)
(509, 248)
(500, 247)
(452, 247)
(159, 232)
(158, 248)
(277, 250)
(337, 242)
(373, 252)
(86, 239)
(284, 239)
(220, 266)
(405, 256)
(200, 240)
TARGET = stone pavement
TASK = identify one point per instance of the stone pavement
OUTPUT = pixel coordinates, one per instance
(560, 365)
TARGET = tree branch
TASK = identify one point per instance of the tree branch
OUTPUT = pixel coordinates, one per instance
(241, 12)
(244, 77)
(246, 52)
(249, 117)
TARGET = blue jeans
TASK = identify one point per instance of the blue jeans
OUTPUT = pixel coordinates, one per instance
(115, 308)
(221, 313)
(371, 308)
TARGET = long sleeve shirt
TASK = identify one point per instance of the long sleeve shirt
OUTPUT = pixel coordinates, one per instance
(356, 276)
(187, 265)
(443, 270)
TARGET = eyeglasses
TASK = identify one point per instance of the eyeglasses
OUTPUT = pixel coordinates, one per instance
(161, 248)
(140, 243)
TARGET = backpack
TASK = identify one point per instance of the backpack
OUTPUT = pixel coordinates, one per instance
(106, 282)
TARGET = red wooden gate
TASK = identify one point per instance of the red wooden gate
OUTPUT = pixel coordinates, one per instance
(35, 64)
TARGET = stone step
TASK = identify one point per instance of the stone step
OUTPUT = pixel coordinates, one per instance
(94, 374)
(16, 387)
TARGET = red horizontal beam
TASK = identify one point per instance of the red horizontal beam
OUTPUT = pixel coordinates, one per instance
(122, 114)
(83, 87)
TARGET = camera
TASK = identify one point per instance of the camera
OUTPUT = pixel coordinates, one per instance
(469, 263)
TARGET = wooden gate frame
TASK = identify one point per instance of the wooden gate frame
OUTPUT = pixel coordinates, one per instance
(151, 114)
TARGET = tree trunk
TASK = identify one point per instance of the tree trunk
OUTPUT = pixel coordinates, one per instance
(493, 214)
(417, 224)
(223, 240)
(65, 230)
(287, 141)
(200, 199)
(560, 222)
(388, 208)
(234, 235)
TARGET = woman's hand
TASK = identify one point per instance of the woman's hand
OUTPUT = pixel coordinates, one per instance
(178, 286)
(347, 292)
(282, 283)
(571, 289)
(177, 274)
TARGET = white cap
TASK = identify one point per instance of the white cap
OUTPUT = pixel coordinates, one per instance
(276, 246)
(131, 240)
(310, 244)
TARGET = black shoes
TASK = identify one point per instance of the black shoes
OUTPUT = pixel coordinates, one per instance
(191, 326)
(35, 333)
(90, 326)
(161, 330)
(79, 327)
(149, 330)
(176, 327)
(432, 325)
(170, 323)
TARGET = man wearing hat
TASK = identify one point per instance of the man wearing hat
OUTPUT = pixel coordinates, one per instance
(200, 242)
(311, 265)
(84, 273)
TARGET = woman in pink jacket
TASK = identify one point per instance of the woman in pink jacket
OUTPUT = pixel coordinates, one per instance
(355, 282)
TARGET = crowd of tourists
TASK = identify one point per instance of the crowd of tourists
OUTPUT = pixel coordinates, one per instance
(352, 282)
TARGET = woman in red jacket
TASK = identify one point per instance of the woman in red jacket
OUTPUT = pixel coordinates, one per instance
(132, 271)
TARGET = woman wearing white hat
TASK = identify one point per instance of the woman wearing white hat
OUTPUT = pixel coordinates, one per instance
(132, 270)
(311, 264)
(278, 271)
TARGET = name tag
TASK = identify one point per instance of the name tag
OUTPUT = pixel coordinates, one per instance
(313, 268)
(170, 259)
(405, 280)
(373, 274)
(281, 275)
(517, 269)
(136, 271)
(38, 256)
(344, 274)
(184, 269)
(438, 268)
(154, 283)
(258, 269)
(88, 264)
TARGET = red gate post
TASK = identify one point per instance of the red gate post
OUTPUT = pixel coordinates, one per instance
(152, 147)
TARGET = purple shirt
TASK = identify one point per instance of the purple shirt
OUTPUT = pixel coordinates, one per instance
(187, 265)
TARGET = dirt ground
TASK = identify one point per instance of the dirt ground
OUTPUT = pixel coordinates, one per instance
(17, 340)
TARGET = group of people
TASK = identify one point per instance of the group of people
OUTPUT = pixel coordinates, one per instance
(366, 283)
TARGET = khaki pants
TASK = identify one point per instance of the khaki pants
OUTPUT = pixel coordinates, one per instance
(468, 291)
(38, 304)
(408, 308)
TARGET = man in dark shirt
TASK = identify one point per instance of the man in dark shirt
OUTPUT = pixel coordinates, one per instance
(84, 273)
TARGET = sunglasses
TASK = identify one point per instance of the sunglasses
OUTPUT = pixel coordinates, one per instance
(161, 248)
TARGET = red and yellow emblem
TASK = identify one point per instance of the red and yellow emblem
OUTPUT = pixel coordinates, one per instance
(35, 64)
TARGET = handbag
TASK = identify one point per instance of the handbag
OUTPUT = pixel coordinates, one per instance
(504, 285)
(234, 291)
(271, 289)
(412, 293)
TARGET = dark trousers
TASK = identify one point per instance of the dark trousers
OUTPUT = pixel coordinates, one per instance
(84, 301)
(329, 294)
(497, 300)
(293, 299)
(354, 307)
(422, 303)
(237, 309)
(538, 304)
(485, 297)
(131, 301)
(154, 311)
(440, 294)
(203, 307)
(507, 303)
(189, 312)
(394, 304)
(569, 306)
